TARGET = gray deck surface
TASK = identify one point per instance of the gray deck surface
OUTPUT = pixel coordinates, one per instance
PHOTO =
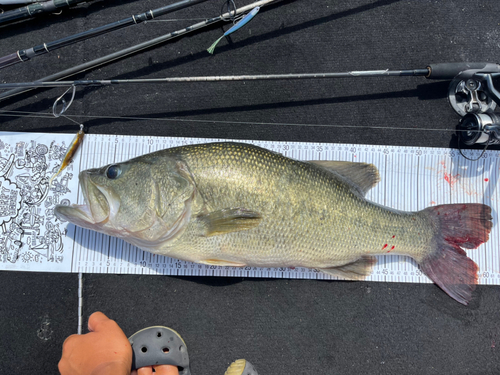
(281, 326)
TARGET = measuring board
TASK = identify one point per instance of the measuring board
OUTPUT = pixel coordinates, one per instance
(33, 239)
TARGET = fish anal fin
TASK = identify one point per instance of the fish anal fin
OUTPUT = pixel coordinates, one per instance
(221, 262)
(363, 175)
(357, 270)
(229, 220)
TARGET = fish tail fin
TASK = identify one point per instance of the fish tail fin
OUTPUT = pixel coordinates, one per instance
(212, 47)
(457, 226)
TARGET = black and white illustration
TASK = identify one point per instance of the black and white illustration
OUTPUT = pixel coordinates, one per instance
(31, 237)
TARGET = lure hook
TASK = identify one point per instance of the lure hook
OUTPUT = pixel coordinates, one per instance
(61, 100)
(70, 153)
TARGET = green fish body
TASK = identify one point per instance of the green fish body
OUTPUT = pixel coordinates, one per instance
(236, 204)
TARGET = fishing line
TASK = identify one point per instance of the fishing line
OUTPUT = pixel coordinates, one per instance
(6, 113)
(230, 7)
(433, 71)
(70, 119)
(30, 114)
(176, 20)
(30, 53)
(471, 93)
(459, 134)
(132, 50)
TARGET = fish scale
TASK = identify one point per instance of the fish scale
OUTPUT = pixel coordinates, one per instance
(235, 204)
(293, 231)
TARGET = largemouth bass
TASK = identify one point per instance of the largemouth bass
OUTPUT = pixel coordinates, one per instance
(234, 204)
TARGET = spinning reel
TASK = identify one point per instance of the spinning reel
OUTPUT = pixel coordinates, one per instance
(473, 95)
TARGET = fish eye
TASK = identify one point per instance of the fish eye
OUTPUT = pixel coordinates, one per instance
(113, 171)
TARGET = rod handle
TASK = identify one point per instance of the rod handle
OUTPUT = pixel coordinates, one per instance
(451, 70)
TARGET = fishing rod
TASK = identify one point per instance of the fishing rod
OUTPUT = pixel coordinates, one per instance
(10, 2)
(263, 77)
(478, 102)
(27, 54)
(36, 8)
(226, 17)
(471, 93)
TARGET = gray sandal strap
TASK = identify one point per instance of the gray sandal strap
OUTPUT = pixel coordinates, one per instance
(159, 346)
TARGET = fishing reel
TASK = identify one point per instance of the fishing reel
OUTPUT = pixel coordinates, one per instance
(473, 95)
(482, 128)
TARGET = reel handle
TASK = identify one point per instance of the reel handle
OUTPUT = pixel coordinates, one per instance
(490, 86)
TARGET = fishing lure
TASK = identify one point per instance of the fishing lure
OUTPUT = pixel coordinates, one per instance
(236, 27)
(72, 149)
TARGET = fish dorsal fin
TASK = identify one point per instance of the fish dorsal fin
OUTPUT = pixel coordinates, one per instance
(229, 220)
(356, 270)
(363, 175)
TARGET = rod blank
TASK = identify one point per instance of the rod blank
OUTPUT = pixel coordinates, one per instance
(134, 49)
(263, 77)
(27, 54)
(36, 8)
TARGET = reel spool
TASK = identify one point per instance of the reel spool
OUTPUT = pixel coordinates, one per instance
(482, 128)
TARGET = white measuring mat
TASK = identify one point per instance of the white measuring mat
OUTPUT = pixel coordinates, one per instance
(33, 239)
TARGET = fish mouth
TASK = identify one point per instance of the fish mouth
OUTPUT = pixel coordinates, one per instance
(100, 205)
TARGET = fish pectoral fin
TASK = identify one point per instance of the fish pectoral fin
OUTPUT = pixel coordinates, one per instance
(221, 262)
(229, 220)
(363, 175)
(356, 270)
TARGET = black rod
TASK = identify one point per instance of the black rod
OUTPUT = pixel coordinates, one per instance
(37, 8)
(432, 71)
(440, 71)
(262, 77)
(27, 54)
(134, 49)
